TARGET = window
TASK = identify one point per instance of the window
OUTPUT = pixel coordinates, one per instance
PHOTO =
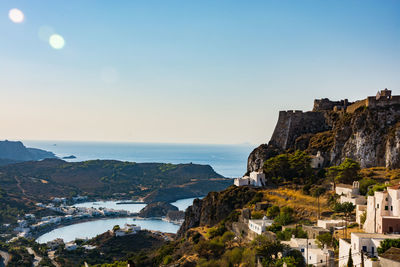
(386, 199)
(364, 248)
(391, 208)
(386, 208)
(372, 251)
(302, 250)
(377, 205)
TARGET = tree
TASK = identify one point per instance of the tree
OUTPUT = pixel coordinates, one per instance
(346, 208)
(317, 192)
(388, 243)
(324, 239)
(363, 217)
(273, 211)
(289, 167)
(350, 261)
(346, 172)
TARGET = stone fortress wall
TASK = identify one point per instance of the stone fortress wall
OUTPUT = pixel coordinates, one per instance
(291, 124)
(383, 98)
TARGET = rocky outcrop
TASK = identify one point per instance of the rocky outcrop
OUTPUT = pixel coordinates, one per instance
(157, 209)
(370, 135)
(15, 151)
(215, 207)
(175, 215)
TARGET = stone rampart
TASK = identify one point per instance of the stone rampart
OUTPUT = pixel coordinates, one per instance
(356, 105)
(291, 124)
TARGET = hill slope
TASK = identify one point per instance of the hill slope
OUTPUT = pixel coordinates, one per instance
(40, 180)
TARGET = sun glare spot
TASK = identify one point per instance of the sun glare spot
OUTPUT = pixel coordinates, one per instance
(56, 41)
(16, 15)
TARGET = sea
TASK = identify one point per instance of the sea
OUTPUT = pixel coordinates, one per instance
(227, 160)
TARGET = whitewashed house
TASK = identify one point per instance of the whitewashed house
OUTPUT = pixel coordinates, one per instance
(255, 179)
(260, 226)
(312, 254)
(350, 193)
(317, 161)
(330, 224)
(383, 211)
(366, 243)
(71, 246)
(129, 229)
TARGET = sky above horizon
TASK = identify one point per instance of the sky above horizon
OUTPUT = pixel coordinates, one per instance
(186, 71)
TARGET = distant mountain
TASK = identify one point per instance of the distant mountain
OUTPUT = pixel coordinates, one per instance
(15, 151)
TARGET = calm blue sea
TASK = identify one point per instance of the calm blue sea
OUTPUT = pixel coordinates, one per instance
(227, 160)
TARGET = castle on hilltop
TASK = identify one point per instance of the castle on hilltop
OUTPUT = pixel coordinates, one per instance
(383, 98)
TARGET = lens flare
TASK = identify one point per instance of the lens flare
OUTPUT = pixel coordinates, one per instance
(56, 41)
(16, 15)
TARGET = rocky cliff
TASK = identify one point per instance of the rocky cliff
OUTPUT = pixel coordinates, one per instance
(215, 207)
(369, 135)
(157, 209)
(15, 151)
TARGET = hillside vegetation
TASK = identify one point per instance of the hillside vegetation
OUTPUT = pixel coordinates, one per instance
(41, 180)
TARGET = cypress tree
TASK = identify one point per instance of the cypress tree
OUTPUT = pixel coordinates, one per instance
(350, 261)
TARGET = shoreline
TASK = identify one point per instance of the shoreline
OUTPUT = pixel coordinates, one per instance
(61, 225)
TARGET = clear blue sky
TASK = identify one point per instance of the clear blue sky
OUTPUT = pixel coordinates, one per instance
(187, 71)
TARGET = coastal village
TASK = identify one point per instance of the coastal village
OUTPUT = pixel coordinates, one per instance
(377, 216)
(360, 225)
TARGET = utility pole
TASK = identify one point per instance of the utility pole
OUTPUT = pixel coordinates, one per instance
(362, 258)
(307, 251)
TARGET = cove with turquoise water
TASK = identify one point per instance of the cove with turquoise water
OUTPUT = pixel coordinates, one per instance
(93, 228)
(227, 160)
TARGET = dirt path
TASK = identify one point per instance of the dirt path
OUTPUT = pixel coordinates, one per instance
(51, 257)
(37, 258)
(5, 258)
(19, 186)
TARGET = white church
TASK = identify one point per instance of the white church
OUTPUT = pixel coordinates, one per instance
(255, 179)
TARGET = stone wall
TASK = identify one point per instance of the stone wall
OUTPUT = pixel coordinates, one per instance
(356, 105)
(372, 102)
(325, 104)
(292, 124)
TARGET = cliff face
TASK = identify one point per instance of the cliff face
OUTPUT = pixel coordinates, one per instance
(369, 135)
(215, 207)
(16, 151)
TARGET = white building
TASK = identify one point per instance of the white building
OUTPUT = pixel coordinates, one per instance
(317, 161)
(129, 229)
(366, 242)
(255, 179)
(311, 252)
(71, 246)
(383, 211)
(350, 193)
(330, 224)
(260, 226)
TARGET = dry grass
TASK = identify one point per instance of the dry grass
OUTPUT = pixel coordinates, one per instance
(381, 174)
(340, 234)
(305, 206)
